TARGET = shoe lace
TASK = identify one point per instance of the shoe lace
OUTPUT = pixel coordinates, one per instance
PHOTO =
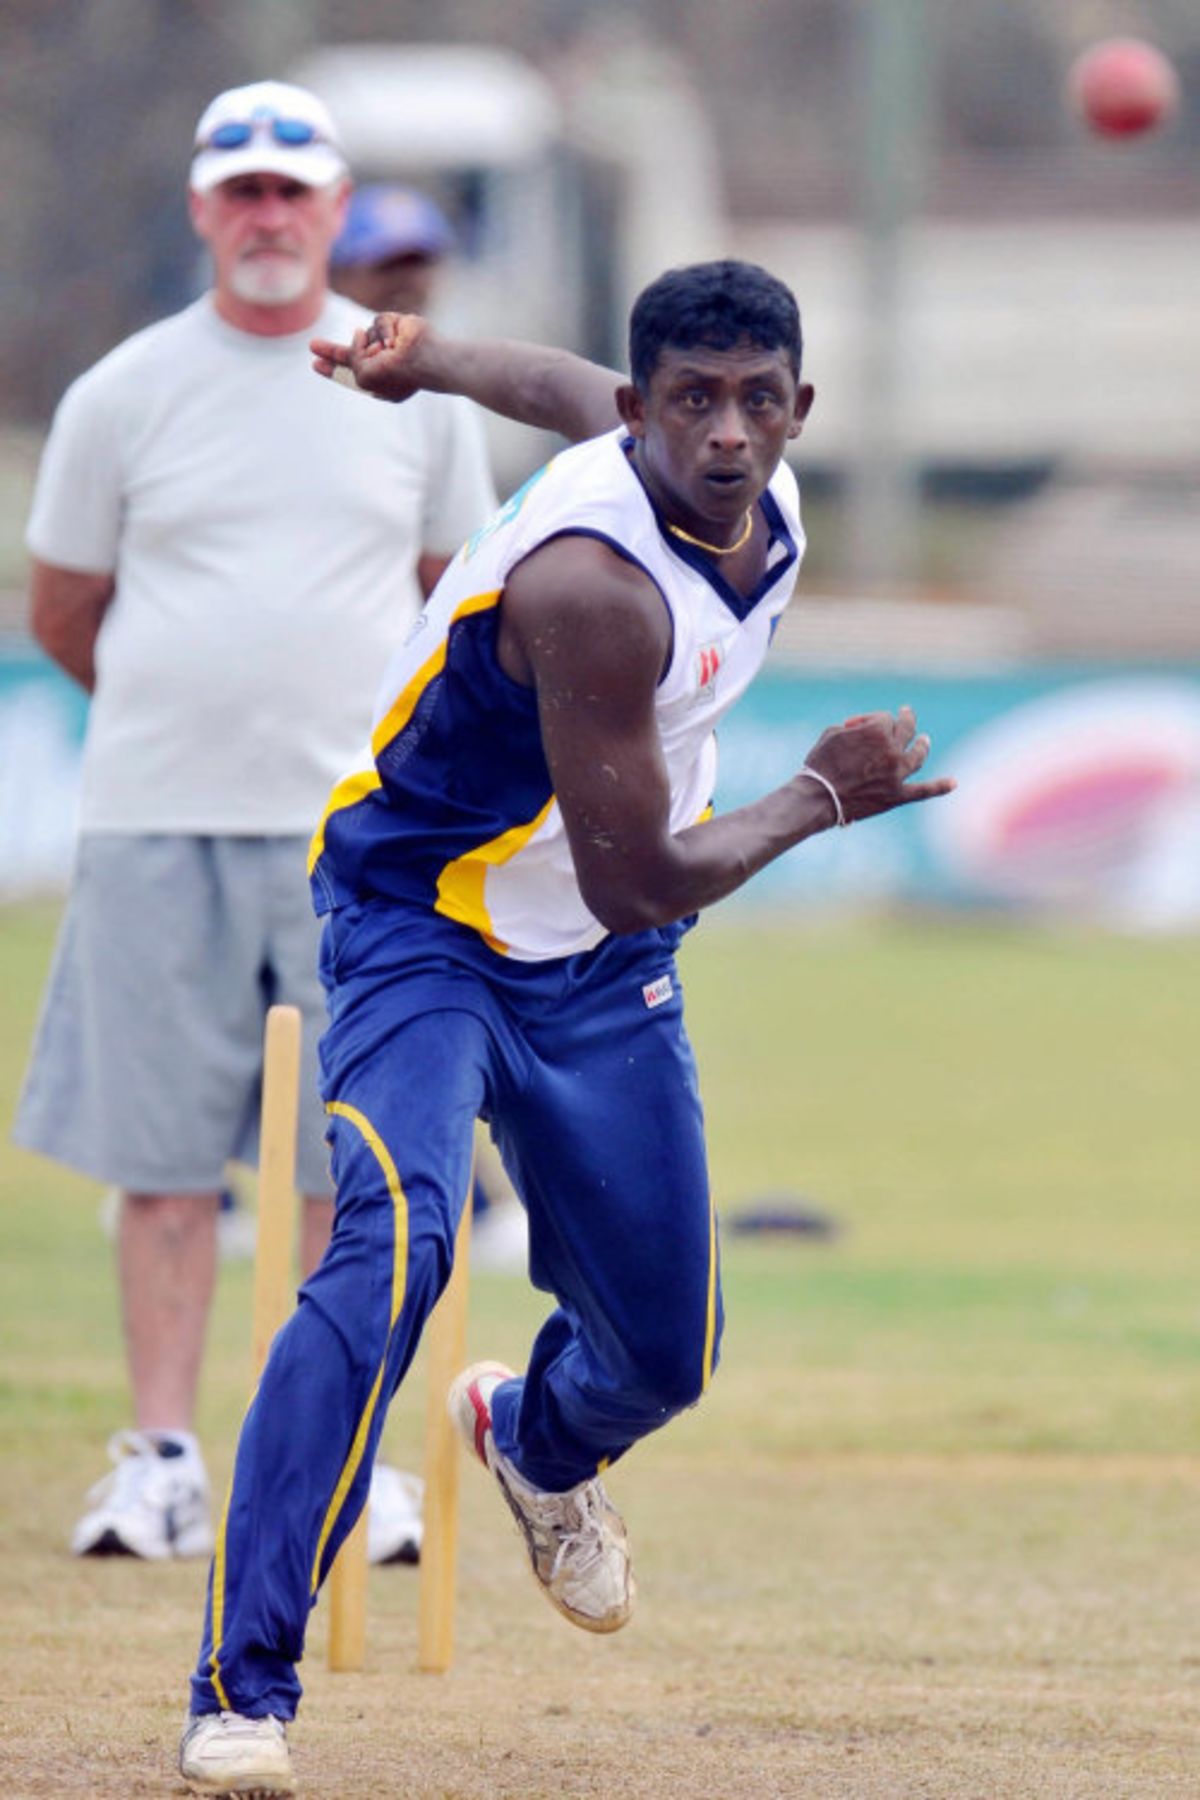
(576, 1524)
(237, 1725)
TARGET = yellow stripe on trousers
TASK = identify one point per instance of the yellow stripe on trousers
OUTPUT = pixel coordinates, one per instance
(353, 1462)
(710, 1324)
(218, 1606)
(399, 1280)
(218, 1591)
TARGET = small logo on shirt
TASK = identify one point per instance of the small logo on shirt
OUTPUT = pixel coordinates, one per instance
(708, 661)
(656, 992)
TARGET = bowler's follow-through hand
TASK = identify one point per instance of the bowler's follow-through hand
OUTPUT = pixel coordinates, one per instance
(868, 762)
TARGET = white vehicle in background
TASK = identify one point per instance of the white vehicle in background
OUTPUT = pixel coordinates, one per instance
(567, 194)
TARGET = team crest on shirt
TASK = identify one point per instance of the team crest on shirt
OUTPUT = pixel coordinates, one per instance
(708, 661)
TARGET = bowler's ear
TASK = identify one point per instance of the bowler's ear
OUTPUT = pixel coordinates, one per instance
(631, 405)
(806, 393)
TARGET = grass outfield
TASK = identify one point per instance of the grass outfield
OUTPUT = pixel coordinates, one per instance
(931, 1533)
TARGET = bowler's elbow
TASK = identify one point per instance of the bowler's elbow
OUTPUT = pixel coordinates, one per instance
(622, 907)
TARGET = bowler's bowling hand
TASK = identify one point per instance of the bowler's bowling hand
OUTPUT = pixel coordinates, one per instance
(386, 360)
(870, 762)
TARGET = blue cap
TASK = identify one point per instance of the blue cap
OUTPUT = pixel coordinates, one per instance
(382, 222)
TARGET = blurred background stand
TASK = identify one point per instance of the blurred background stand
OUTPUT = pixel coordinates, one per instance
(892, 66)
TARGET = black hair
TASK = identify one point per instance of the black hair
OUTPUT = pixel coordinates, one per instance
(717, 304)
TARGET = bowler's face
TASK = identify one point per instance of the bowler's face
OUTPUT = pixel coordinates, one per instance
(270, 236)
(713, 426)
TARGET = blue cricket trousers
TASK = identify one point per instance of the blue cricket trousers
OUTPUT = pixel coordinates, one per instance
(583, 1069)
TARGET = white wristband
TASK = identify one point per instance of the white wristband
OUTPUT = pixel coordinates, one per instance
(825, 782)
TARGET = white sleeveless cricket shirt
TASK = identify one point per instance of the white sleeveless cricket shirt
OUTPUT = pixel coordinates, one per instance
(452, 807)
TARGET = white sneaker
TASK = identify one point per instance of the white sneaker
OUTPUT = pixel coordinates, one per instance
(394, 1524)
(244, 1759)
(154, 1504)
(577, 1543)
(237, 1229)
(500, 1238)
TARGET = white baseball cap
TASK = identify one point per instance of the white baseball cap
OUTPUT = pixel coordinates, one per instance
(268, 127)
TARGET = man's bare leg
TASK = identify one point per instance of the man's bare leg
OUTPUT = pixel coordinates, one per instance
(167, 1260)
(316, 1228)
(155, 1503)
(167, 1264)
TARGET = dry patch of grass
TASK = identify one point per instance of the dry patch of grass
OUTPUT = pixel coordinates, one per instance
(875, 1626)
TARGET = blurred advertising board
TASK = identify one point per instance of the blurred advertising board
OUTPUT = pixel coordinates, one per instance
(1079, 793)
(42, 717)
(1078, 798)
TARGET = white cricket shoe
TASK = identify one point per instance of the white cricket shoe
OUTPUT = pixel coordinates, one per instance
(394, 1524)
(577, 1543)
(154, 1504)
(243, 1759)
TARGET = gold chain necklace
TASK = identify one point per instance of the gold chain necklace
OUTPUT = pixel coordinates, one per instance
(739, 542)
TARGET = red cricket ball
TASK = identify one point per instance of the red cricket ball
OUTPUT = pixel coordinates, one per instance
(1123, 87)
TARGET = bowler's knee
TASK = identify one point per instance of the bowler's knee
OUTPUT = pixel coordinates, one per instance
(672, 1375)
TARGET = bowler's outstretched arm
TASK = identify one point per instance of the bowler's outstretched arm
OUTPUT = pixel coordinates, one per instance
(402, 354)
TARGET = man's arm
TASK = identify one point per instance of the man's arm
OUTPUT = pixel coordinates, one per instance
(430, 569)
(401, 355)
(591, 633)
(66, 609)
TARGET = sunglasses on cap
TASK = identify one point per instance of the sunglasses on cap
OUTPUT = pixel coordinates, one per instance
(235, 134)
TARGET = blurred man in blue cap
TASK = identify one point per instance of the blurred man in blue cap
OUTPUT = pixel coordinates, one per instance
(390, 249)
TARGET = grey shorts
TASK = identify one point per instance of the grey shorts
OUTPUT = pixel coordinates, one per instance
(147, 1062)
